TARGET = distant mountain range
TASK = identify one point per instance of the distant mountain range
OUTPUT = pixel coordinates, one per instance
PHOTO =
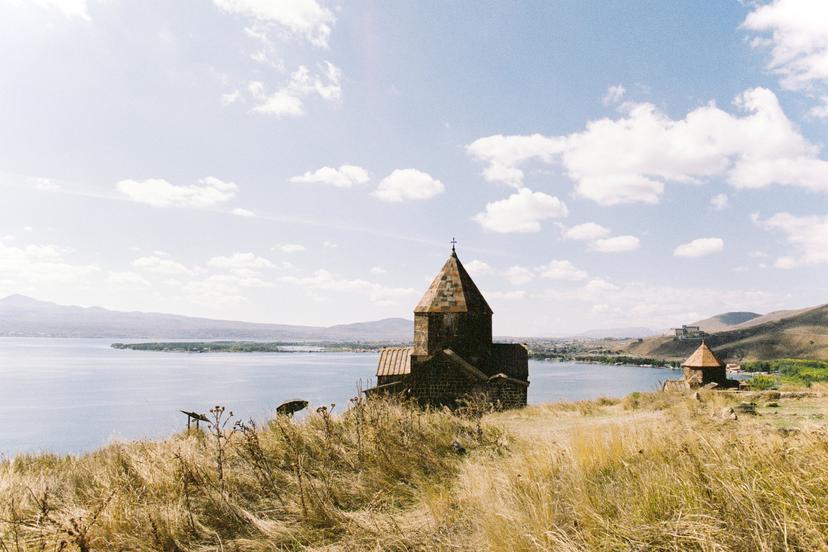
(618, 333)
(26, 317)
(801, 333)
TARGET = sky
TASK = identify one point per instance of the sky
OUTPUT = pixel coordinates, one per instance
(602, 164)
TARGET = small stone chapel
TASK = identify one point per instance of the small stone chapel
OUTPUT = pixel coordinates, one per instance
(704, 367)
(453, 355)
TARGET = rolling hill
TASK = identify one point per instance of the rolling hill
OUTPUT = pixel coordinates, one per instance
(726, 321)
(26, 317)
(784, 334)
(770, 317)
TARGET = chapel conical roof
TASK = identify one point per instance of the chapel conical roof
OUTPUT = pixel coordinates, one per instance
(703, 357)
(453, 291)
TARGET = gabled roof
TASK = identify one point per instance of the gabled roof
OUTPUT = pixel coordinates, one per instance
(475, 373)
(467, 367)
(704, 357)
(453, 291)
(394, 361)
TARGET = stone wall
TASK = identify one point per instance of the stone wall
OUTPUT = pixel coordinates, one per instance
(511, 359)
(705, 375)
(505, 394)
(385, 380)
(439, 381)
(467, 334)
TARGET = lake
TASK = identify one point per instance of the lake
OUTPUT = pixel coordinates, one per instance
(73, 395)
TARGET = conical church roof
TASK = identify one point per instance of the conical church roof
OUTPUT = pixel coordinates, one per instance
(704, 357)
(453, 291)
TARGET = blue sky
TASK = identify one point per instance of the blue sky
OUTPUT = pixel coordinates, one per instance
(602, 164)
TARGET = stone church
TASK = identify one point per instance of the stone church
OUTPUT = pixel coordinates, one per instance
(453, 354)
(704, 367)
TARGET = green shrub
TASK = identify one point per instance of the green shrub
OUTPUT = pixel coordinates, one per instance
(792, 370)
(761, 382)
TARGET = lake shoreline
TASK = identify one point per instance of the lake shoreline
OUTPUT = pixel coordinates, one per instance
(74, 395)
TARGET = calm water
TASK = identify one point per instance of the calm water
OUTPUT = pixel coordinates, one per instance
(71, 395)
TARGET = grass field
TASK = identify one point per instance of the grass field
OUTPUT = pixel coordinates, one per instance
(653, 471)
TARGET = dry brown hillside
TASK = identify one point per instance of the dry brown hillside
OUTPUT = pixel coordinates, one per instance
(794, 334)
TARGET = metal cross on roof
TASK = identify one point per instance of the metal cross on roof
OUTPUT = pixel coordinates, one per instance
(453, 242)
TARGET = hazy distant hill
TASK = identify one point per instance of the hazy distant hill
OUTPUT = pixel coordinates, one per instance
(725, 321)
(27, 317)
(618, 333)
(771, 317)
(785, 334)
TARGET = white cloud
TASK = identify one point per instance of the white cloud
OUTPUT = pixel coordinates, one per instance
(157, 192)
(798, 40)
(408, 184)
(562, 270)
(522, 211)
(345, 176)
(213, 292)
(806, 235)
(477, 267)
(307, 18)
(380, 295)
(267, 53)
(614, 94)
(329, 244)
(46, 185)
(598, 238)
(327, 82)
(29, 264)
(616, 244)
(223, 289)
(507, 295)
(629, 159)
(820, 111)
(655, 305)
(519, 275)
(161, 266)
(68, 8)
(719, 202)
(230, 97)
(289, 247)
(289, 100)
(240, 261)
(586, 232)
(239, 212)
(43, 252)
(378, 270)
(699, 247)
(505, 153)
(127, 280)
(281, 103)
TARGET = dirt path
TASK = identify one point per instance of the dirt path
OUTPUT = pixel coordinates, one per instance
(547, 424)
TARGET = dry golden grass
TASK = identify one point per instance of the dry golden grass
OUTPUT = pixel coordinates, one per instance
(287, 486)
(651, 472)
(676, 478)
